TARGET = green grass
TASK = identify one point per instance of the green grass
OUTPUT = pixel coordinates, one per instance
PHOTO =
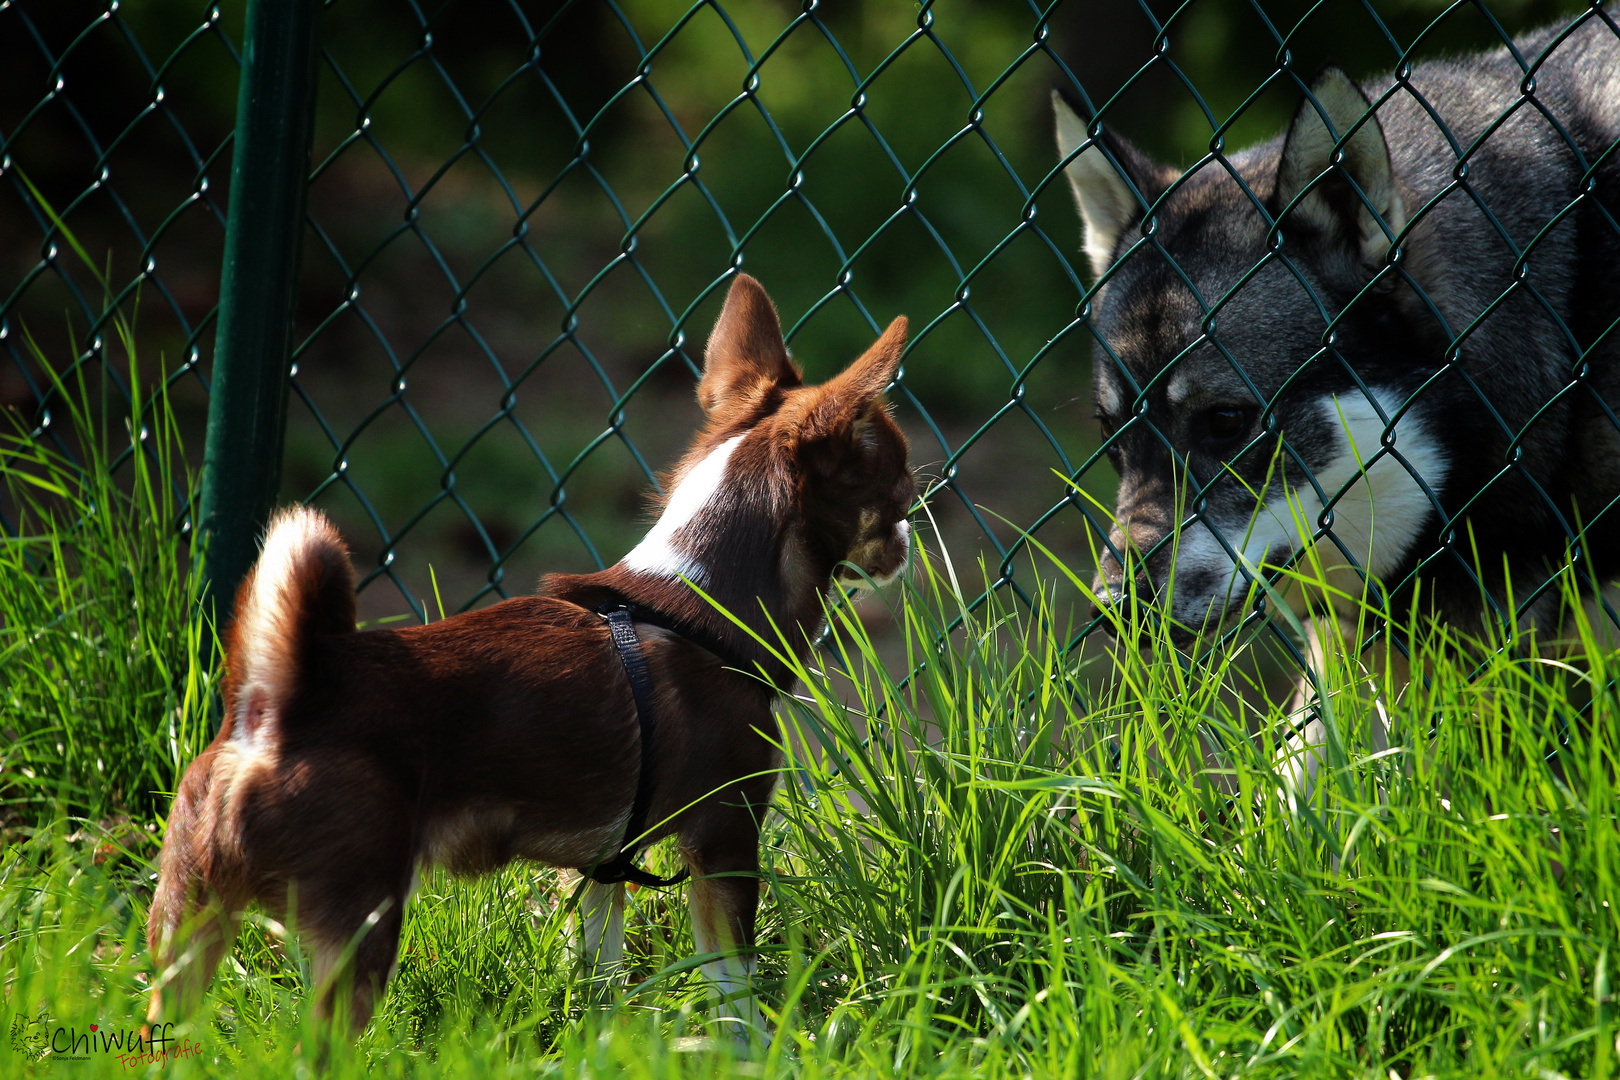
(99, 703)
(973, 871)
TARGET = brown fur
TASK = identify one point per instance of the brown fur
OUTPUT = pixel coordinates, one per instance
(347, 759)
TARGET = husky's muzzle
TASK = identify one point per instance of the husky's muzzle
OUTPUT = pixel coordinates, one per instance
(1180, 590)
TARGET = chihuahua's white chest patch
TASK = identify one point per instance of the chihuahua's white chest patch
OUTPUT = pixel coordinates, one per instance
(660, 551)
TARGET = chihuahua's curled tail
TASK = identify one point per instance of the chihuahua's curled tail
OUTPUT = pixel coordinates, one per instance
(301, 588)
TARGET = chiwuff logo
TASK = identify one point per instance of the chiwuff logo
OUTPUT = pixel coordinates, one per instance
(41, 1038)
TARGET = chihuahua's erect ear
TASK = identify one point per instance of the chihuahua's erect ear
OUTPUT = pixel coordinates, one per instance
(850, 400)
(745, 350)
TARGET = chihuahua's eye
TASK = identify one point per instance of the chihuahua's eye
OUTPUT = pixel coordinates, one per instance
(1219, 427)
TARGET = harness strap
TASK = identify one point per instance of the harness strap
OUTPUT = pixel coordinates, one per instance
(622, 625)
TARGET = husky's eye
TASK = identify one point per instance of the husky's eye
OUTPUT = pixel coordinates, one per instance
(1222, 424)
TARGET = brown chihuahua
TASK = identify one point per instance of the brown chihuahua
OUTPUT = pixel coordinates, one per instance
(570, 728)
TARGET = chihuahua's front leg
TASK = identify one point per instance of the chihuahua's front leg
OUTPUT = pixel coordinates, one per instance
(724, 861)
(601, 935)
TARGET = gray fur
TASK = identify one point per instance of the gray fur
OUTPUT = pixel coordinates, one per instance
(1267, 358)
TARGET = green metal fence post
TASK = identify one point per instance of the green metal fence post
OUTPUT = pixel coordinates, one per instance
(247, 408)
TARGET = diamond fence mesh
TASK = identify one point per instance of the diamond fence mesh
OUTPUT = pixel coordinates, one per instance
(115, 137)
(522, 218)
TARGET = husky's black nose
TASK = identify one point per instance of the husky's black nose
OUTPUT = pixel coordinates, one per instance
(1113, 598)
(1097, 609)
(1139, 610)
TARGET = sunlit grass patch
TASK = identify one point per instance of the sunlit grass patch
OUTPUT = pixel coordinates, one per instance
(999, 857)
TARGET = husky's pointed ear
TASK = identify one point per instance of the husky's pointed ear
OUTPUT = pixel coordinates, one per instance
(1103, 188)
(850, 401)
(1333, 208)
(745, 352)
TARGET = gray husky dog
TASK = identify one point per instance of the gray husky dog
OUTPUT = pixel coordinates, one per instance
(1388, 332)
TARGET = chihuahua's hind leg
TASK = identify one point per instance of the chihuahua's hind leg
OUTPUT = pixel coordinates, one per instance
(351, 970)
(188, 956)
(349, 903)
(199, 899)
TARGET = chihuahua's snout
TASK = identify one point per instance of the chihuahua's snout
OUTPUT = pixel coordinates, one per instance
(882, 556)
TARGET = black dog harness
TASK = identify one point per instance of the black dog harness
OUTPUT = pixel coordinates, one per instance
(621, 620)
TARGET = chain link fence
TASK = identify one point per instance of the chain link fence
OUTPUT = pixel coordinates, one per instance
(572, 282)
(115, 148)
(522, 216)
